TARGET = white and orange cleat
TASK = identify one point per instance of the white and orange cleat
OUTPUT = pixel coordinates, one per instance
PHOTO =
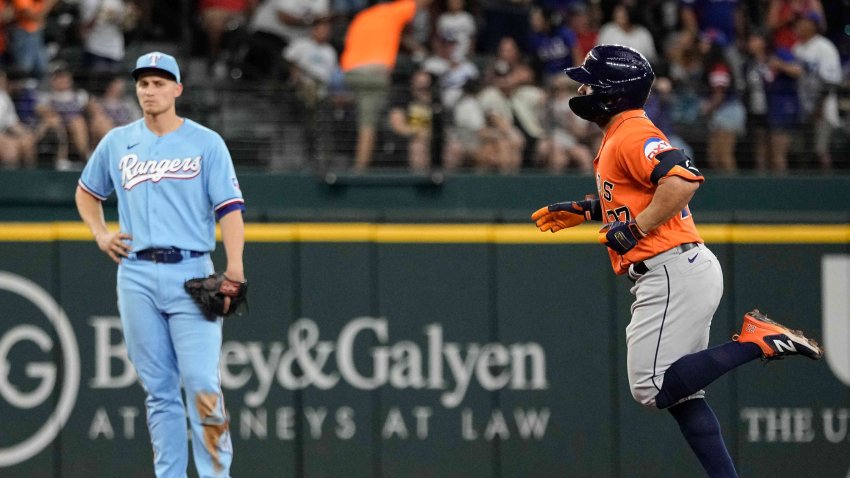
(775, 340)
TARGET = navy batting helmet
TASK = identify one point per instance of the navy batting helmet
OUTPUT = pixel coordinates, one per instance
(620, 79)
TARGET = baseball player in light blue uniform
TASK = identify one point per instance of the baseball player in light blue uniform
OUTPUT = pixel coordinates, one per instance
(173, 179)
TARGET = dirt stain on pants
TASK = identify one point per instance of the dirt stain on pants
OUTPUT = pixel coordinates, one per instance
(214, 423)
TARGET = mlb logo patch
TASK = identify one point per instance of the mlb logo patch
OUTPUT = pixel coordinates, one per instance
(654, 146)
(235, 182)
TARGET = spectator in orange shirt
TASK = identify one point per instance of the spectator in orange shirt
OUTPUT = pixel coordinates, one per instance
(369, 56)
(27, 35)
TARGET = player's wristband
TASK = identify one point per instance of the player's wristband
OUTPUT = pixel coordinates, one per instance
(592, 209)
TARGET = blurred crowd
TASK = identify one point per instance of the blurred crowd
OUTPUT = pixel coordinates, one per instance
(450, 84)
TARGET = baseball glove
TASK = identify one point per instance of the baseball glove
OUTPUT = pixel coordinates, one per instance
(217, 295)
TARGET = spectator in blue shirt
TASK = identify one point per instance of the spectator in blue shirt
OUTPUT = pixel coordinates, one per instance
(553, 46)
(712, 15)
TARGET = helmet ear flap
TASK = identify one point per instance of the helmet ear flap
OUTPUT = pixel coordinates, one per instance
(593, 108)
(600, 107)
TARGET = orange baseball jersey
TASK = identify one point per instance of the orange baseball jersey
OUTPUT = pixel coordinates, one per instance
(625, 181)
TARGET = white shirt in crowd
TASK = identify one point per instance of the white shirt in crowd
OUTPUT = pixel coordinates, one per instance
(459, 26)
(8, 115)
(319, 60)
(106, 36)
(451, 77)
(266, 18)
(823, 66)
(638, 38)
(469, 115)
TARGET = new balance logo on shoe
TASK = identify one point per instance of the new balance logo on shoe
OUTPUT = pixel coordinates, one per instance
(788, 346)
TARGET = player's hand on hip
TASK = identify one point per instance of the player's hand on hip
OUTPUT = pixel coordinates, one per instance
(562, 215)
(621, 237)
(115, 244)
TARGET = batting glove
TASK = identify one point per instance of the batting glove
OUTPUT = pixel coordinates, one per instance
(562, 215)
(621, 236)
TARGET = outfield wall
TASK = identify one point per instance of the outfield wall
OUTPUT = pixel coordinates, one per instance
(432, 350)
(795, 198)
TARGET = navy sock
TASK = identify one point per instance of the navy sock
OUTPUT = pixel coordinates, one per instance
(691, 373)
(701, 429)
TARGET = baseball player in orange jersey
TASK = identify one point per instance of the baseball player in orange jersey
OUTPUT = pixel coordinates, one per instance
(644, 186)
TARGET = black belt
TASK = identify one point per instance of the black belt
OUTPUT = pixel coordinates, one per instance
(166, 256)
(640, 268)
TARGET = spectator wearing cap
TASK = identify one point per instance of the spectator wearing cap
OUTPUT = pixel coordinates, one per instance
(369, 56)
(458, 25)
(818, 82)
(27, 35)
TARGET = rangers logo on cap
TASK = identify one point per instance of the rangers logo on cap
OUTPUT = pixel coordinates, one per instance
(159, 61)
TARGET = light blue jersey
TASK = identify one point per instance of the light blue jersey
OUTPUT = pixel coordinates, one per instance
(167, 187)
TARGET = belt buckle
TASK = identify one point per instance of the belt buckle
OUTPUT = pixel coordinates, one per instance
(167, 256)
(156, 256)
(683, 248)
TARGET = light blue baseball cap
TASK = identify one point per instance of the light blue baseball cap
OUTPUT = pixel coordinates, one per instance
(157, 60)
